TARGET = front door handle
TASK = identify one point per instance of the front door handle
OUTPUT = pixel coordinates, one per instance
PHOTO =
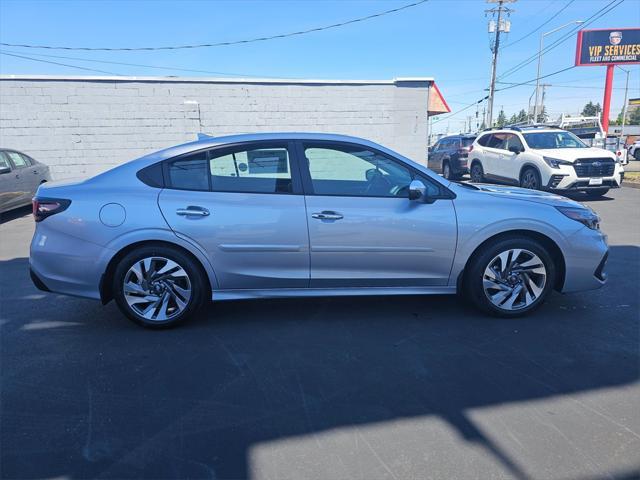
(193, 211)
(327, 215)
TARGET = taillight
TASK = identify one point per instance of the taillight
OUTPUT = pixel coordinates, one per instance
(45, 207)
(470, 147)
(619, 154)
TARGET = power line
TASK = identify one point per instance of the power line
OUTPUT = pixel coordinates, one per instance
(235, 42)
(541, 25)
(603, 11)
(528, 82)
(58, 63)
(7, 52)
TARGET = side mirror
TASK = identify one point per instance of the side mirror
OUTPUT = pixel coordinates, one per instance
(417, 190)
(515, 149)
(4, 170)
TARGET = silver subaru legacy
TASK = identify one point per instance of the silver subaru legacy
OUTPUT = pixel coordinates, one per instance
(300, 215)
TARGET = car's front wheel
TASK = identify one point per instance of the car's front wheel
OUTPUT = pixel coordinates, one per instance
(530, 179)
(510, 278)
(158, 286)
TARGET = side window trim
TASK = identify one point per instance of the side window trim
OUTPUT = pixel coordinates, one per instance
(307, 183)
(215, 151)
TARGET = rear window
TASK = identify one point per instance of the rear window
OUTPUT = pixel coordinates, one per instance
(467, 141)
(484, 140)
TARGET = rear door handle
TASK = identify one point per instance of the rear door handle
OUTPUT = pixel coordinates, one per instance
(193, 211)
(327, 215)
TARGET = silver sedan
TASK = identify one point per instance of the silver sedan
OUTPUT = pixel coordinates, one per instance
(20, 177)
(299, 215)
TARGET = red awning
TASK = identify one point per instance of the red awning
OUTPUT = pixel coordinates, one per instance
(437, 104)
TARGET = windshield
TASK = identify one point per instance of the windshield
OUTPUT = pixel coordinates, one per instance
(549, 140)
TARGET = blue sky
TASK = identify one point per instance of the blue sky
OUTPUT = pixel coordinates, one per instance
(445, 39)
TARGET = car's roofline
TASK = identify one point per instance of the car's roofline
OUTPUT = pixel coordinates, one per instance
(205, 142)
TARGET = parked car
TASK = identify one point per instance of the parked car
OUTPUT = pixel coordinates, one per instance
(449, 156)
(634, 150)
(544, 158)
(303, 215)
(20, 176)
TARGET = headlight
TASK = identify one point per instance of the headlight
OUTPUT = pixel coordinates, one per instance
(555, 162)
(585, 216)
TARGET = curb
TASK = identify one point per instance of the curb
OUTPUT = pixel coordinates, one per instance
(630, 185)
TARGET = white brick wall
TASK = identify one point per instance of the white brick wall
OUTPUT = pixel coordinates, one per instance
(81, 127)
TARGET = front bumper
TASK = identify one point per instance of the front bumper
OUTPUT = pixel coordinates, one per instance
(585, 261)
(565, 179)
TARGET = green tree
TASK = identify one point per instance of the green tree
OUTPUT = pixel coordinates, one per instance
(502, 119)
(522, 116)
(591, 110)
(513, 119)
(634, 117)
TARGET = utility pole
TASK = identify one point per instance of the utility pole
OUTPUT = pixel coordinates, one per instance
(500, 26)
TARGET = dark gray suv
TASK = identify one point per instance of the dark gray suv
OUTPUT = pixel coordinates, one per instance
(20, 177)
(449, 156)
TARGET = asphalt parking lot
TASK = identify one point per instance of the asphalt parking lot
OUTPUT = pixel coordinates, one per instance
(362, 388)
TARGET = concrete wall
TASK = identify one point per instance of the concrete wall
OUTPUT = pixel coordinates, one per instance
(82, 126)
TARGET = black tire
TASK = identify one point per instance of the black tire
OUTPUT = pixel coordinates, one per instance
(530, 178)
(447, 171)
(597, 192)
(197, 282)
(474, 275)
(477, 173)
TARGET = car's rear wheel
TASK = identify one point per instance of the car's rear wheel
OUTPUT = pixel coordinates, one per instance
(530, 179)
(510, 278)
(477, 173)
(447, 172)
(158, 286)
(597, 192)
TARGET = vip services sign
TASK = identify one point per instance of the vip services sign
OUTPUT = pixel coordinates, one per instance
(608, 46)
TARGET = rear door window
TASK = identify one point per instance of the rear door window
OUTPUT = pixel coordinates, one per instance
(484, 140)
(18, 160)
(259, 168)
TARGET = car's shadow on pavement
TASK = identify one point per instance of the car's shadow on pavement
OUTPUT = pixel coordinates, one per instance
(85, 393)
(15, 214)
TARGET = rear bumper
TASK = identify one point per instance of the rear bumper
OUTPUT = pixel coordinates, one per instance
(65, 264)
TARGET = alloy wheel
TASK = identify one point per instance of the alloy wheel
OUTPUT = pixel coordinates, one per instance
(446, 171)
(157, 288)
(514, 279)
(530, 180)
(476, 174)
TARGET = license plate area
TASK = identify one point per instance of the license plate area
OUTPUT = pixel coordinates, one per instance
(595, 181)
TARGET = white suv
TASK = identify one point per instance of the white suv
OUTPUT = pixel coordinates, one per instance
(543, 159)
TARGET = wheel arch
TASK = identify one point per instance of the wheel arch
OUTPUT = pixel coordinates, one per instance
(552, 247)
(527, 165)
(106, 293)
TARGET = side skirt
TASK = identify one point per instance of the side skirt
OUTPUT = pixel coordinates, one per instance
(220, 295)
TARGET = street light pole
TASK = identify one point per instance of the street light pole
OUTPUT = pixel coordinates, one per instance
(624, 106)
(535, 105)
